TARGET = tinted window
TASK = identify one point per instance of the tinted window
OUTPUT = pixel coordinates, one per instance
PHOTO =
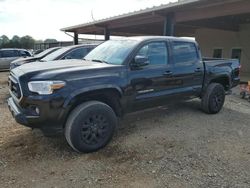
(184, 52)
(8, 53)
(90, 49)
(156, 52)
(46, 52)
(54, 55)
(217, 53)
(76, 54)
(24, 53)
(236, 54)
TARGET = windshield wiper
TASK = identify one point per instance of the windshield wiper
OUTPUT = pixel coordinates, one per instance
(100, 61)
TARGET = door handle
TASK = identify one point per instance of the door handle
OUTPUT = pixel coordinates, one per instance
(197, 70)
(168, 73)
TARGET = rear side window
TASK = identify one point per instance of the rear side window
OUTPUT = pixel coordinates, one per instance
(90, 49)
(156, 52)
(8, 53)
(24, 53)
(184, 52)
(77, 54)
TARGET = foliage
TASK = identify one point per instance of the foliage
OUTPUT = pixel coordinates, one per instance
(26, 42)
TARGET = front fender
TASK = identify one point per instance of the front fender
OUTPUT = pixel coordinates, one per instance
(88, 89)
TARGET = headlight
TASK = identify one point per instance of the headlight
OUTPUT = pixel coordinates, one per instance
(45, 87)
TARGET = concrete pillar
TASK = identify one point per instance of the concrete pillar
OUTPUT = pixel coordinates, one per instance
(169, 24)
(106, 34)
(75, 38)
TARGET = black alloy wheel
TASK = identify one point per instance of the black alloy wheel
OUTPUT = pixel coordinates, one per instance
(90, 126)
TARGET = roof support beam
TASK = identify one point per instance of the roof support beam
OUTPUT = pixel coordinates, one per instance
(106, 33)
(169, 24)
(75, 38)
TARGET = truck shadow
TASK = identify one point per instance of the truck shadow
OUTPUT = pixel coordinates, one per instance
(156, 114)
(28, 144)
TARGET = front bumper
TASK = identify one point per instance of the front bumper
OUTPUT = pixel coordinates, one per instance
(18, 113)
(48, 119)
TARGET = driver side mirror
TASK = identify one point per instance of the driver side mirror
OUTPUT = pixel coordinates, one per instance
(140, 61)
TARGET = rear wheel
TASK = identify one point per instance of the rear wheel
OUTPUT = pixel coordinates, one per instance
(90, 126)
(213, 99)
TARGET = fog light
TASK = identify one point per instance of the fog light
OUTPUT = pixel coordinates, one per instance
(37, 110)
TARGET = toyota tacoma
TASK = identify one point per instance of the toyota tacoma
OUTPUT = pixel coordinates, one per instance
(85, 98)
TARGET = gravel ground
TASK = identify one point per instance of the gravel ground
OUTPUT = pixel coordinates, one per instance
(174, 146)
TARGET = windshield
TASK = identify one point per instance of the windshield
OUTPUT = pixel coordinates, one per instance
(112, 52)
(55, 54)
(46, 52)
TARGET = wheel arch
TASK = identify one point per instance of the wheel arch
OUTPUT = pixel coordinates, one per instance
(108, 95)
(224, 80)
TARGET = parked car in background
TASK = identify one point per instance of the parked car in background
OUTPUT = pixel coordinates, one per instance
(70, 52)
(7, 55)
(23, 60)
(38, 51)
(85, 98)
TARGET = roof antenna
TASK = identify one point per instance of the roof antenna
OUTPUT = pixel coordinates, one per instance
(92, 16)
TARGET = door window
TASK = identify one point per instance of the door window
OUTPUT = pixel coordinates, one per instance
(156, 52)
(24, 53)
(77, 54)
(184, 52)
(8, 53)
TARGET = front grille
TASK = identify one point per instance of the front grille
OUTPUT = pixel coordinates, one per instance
(14, 87)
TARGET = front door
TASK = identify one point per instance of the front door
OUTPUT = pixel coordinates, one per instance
(150, 82)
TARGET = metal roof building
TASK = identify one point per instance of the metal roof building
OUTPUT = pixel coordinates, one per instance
(209, 21)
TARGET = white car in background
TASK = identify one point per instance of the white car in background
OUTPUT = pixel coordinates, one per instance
(7, 55)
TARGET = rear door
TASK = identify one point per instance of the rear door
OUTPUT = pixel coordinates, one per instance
(188, 68)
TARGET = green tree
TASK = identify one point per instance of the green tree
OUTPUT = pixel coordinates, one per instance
(27, 42)
(4, 41)
(15, 42)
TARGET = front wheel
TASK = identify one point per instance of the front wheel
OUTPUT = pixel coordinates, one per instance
(90, 126)
(213, 99)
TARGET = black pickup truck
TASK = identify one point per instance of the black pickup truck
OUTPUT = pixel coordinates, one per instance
(85, 98)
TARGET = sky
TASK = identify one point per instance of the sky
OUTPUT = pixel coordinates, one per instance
(43, 19)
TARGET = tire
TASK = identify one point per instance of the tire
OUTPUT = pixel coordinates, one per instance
(90, 126)
(213, 99)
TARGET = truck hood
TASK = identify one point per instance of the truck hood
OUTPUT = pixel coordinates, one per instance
(58, 67)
